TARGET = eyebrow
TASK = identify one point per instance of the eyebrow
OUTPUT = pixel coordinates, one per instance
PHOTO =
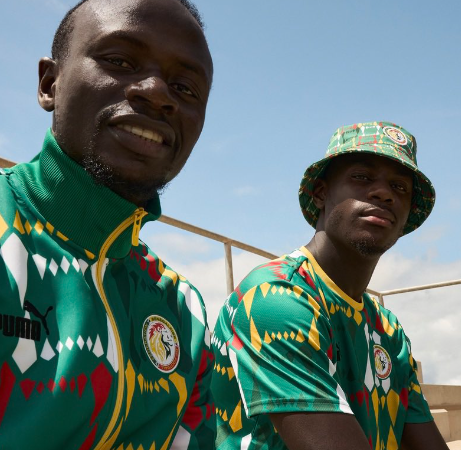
(125, 37)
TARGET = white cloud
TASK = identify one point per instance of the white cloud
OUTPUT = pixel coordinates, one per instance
(432, 234)
(243, 191)
(174, 244)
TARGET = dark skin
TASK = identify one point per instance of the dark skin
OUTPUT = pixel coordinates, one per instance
(364, 202)
(133, 67)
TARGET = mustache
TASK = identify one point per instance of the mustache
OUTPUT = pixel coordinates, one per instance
(112, 111)
(125, 108)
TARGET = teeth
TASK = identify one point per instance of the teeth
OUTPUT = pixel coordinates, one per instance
(141, 132)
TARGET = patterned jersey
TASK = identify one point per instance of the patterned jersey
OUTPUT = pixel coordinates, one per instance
(102, 345)
(288, 339)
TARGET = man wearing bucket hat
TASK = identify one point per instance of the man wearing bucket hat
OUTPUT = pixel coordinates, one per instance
(305, 358)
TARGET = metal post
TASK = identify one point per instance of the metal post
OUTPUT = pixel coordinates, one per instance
(228, 264)
(381, 299)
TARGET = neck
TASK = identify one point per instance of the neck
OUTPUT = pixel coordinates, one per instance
(349, 269)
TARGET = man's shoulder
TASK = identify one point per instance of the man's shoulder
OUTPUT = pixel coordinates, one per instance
(384, 320)
(278, 271)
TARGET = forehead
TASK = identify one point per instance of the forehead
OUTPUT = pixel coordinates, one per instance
(155, 24)
(342, 163)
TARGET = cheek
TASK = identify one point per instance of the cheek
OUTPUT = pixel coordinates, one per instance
(192, 118)
(83, 86)
(339, 213)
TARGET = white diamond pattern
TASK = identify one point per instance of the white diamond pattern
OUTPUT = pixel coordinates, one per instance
(53, 267)
(47, 351)
(83, 265)
(75, 265)
(65, 264)
(40, 262)
(69, 343)
(80, 342)
(97, 349)
(59, 346)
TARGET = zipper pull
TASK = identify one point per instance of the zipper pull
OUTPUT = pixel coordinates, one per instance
(138, 215)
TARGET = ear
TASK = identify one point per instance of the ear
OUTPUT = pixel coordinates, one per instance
(319, 193)
(47, 75)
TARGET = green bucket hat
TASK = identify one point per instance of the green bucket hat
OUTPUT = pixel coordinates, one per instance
(379, 138)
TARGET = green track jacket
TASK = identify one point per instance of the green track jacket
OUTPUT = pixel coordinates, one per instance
(102, 345)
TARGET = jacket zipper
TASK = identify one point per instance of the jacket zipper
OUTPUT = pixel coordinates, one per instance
(136, 220)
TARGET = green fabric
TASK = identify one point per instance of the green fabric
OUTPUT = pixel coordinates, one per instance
(60, 365)
(292, 352)
(384, 139)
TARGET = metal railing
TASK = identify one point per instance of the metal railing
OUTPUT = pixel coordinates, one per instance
(229, 243)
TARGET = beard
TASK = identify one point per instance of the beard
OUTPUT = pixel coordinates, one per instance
(105, 175)
(367, 246)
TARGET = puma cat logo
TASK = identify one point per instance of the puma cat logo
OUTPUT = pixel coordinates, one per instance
(28, 306)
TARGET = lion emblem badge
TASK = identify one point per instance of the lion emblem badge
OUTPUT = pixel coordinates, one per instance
(383, 363)
(395, 135)
(161, 343)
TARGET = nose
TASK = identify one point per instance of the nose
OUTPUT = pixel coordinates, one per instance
(153, 92)
(382, 191)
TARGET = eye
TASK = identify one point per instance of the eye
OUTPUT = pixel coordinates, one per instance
(402, 187)
(183, 89)
(120, 62)
(360, 176)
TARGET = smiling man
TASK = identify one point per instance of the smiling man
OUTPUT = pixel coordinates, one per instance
(102, 344)
(305, 358)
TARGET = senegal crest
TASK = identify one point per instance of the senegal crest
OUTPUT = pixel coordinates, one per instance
(383, 363)
(395, 135)
(161, 343)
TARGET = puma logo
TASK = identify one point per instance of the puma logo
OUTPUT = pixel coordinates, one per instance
(28, 306)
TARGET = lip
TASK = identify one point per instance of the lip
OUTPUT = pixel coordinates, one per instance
(378, 216)
(160, 136)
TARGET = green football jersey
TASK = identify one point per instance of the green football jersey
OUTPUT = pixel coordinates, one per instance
(289, 340)
(102, 345)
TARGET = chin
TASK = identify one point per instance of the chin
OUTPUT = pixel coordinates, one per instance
(134, 190)
(369, 246)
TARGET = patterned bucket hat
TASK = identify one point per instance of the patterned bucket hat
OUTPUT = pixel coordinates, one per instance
(379, 138)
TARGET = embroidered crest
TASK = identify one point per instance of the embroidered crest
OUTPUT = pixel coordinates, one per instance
(383, 363)
(161, 343)
(396, 135)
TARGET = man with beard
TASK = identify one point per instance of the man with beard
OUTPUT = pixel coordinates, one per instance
(305, 358)
(128, 84)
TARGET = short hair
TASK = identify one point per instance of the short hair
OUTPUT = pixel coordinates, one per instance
(65, 28)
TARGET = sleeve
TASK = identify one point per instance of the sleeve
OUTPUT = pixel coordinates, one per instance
(281, 351)
(418, 410)
(198, 427)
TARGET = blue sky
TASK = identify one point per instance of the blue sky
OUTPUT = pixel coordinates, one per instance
(287, 74)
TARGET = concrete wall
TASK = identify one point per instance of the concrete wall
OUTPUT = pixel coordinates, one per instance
(445, 404)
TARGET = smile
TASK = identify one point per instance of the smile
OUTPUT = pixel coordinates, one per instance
(149, 135)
